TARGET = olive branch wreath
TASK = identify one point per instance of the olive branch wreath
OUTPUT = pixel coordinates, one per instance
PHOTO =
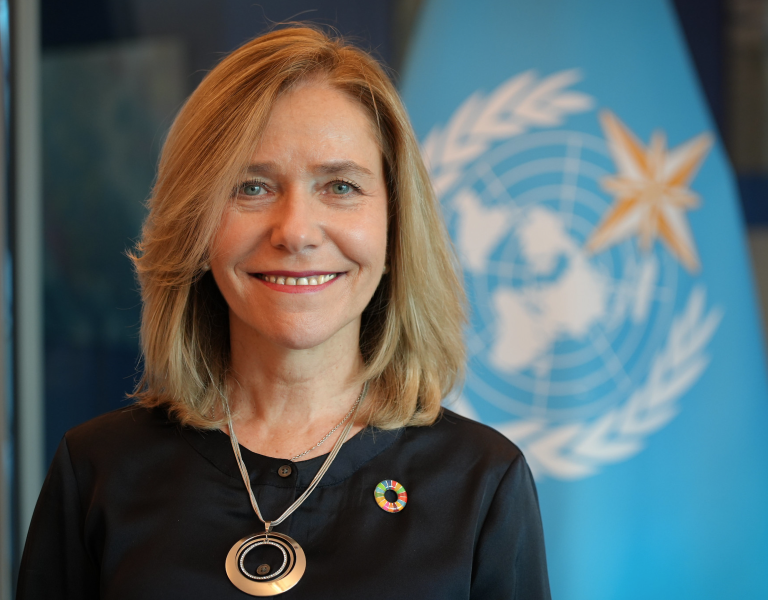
(573, 450)
(515, 106)
(576, 450)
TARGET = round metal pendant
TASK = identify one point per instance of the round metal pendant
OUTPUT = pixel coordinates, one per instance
(265, 581)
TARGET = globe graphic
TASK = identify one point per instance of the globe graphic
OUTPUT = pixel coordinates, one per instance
(555, 332)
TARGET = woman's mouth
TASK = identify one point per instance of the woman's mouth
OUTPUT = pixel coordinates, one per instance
(297, 280)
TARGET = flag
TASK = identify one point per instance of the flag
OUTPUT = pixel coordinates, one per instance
(613, 333)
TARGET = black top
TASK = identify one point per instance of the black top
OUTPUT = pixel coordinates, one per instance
(135, 506)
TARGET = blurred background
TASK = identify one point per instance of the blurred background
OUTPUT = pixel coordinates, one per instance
(90, 88)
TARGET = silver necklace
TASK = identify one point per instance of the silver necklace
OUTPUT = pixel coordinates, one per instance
(332, 431)
(264, 582)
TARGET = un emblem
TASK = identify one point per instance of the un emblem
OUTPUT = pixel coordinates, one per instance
(575, 248)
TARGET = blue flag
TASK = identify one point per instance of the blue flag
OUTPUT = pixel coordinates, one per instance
(614, 335)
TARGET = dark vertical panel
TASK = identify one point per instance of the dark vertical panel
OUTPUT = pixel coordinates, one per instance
(702, 22)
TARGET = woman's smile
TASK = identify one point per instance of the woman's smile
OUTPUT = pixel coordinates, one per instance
(298, 282)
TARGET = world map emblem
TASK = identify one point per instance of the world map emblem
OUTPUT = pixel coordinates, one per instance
(588, 324)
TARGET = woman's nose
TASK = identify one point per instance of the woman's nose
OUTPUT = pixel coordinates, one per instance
(296, 226)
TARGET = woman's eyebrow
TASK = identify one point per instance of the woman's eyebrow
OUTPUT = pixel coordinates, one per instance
(342, 167)
(267, 168)
(335, 167)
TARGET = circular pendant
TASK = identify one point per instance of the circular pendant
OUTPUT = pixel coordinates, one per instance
(266, 581)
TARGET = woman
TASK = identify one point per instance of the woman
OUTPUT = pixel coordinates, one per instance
(300, 296)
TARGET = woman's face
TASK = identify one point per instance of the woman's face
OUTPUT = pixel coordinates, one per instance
(302, 246)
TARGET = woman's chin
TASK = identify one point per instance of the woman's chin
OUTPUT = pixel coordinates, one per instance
(298, 343)
(301, 337)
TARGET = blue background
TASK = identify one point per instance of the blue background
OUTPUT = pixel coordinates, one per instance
(686, 517)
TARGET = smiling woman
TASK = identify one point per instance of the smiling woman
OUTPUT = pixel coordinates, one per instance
(346, 127)
(300, 297)
(314, 207)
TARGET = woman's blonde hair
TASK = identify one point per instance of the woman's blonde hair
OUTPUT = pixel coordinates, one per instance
(411, 333)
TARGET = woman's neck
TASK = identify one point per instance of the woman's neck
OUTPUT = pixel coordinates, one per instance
(285, 400)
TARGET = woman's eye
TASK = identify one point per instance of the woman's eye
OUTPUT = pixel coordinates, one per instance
(341, 188)
(252, 189)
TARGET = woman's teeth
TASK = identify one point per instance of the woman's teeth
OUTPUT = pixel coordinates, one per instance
(314, 280)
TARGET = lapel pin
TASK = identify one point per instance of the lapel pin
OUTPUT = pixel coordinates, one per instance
(398, 497)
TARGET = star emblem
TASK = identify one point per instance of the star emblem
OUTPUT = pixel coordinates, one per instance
(651, 191)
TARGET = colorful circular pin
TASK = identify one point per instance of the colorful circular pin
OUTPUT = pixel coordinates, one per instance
(390, 485)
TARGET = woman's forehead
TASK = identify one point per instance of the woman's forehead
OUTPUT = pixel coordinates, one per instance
(320, 127)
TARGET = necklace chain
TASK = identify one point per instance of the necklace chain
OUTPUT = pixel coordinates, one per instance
(323, 469)
(332, 431)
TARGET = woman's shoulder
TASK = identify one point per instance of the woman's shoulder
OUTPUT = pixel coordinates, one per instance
(453, 437)
(131, 426)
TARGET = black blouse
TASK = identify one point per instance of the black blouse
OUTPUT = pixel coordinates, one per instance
(136, 506)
